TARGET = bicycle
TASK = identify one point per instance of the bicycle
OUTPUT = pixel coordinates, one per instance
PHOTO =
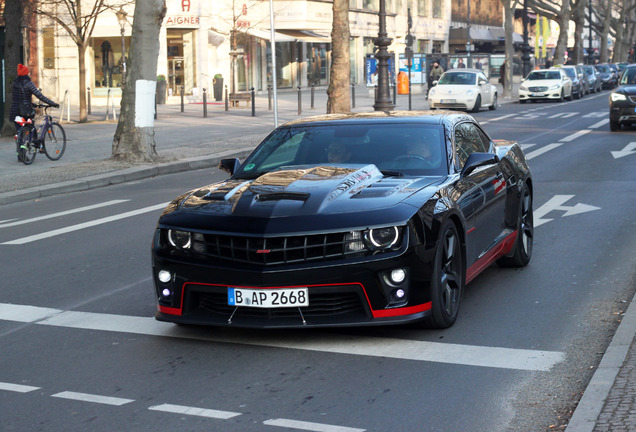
(52, 141)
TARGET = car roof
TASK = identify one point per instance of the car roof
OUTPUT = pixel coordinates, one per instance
(422, 117)
(465, 70)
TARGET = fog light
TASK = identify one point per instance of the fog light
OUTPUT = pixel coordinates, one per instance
(398, 276)
(164, 276)
(166, 292)
(399, 294)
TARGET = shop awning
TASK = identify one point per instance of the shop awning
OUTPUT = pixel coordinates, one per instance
(266, 34)
(500, 34)
(307, 36)
(459, 35)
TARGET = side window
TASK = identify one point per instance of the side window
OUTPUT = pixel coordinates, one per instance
(469, 139)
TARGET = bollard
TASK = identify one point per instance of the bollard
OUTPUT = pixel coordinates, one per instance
(353, 95)
(88, 95)
(226, 99)
(313, 88)
(155, 106)
(300, 102)
(269, 97)
(181, 98)
(253, 102)
(205, 103)
(394, 94)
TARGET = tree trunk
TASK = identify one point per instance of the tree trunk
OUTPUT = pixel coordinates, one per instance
(13, 38)
(509, 47)
(578, 16)
(134, 139)
(81, 58)
(605, 33)
(339, 99)
(562, 40)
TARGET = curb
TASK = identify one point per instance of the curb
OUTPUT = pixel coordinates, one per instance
(121, 176)
(591, 404)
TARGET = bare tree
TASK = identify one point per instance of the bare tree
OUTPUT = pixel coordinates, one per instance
(509, 7)
(12, 14)
(78, 18)
(134, 139)
(339, 99)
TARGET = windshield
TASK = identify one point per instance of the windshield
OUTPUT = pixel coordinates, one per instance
(629, 76)
(388, 146)
(458, 78)
(544, 75)
(602, 68)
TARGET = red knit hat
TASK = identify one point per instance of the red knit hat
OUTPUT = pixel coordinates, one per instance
(22, 70)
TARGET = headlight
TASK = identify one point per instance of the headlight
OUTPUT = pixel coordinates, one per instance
(470, 92)
(555, 87)
(381, 238)
(522, 87)
(432, 92)
(617, 97)
(179, 239)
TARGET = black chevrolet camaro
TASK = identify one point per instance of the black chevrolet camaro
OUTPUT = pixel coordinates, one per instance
(346, 220)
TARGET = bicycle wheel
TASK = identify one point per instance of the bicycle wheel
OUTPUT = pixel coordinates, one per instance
(54, 141)
(27, 150)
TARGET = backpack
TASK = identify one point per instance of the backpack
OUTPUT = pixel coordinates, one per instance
(25, 108)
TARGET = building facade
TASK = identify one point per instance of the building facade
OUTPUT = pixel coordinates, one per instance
(203, 42)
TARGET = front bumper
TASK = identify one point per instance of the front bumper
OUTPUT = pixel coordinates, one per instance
(623, 113)
(541, 95)
(339, 294)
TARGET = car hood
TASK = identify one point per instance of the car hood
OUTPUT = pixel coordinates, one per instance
(303, 193)
(541, 83)
(626, 89)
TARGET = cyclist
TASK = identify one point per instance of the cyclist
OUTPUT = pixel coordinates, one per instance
(23, 82)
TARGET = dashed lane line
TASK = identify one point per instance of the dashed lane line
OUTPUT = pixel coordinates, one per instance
(540, 151)
(18, 388)
(308, 426)
(84, 225)
(86, 397)
(200, 412)
(468, 355)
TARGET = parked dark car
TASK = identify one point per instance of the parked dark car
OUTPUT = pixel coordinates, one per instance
(346, 220)
(622, 101)
(608, 78)
(593, 78)
(578, 87)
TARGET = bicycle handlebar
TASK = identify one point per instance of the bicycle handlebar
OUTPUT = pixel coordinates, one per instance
(41, 105)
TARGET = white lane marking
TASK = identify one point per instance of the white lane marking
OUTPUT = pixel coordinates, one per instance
(527, 146)
(599, 124)
(596, 114)
(556, 203)
(201, 412)
(18, 388)
(85, 397)
(628, 150)
(308, 426)
(84, 225)
(563, 115)
(540, 151)
(470, 355)
(64, 213)
(575, 135)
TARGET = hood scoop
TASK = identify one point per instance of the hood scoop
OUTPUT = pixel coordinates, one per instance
(278, 196)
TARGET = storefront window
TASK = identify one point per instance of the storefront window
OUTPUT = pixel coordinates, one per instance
(422, 7)
(108, 62)
(181, 61)
(317, 63)
(284, 64)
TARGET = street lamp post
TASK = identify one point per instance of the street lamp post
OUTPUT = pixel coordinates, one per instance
(589, 38)
(468, 40)
(383, 100)
(525, 55)
(121, 17)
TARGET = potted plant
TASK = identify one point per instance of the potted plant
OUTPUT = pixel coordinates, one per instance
(217, 86)
(161, 89)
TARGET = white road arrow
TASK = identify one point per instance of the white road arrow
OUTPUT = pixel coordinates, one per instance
(556, 203)
(628, 150)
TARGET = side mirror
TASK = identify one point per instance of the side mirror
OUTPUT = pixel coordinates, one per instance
(476, 160)
(230, 165)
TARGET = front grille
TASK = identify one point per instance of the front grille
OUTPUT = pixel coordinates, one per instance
(320, 305)
(538, 89)
(282, 250)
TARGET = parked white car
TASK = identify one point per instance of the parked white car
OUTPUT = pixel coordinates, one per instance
(551, 84)
(464, 89)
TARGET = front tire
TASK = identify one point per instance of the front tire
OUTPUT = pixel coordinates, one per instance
(614, 126)
(27, 150)
(494, 103)
(448, 280)
(525, 234)
(477, 104)
(54, 139)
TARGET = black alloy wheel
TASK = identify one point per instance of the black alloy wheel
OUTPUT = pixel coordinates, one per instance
(449, 277)
(522, 250)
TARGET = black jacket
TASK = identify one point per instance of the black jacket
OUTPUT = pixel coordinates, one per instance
(29, 89)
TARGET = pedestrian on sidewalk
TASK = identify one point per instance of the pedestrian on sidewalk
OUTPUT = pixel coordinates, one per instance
(22, 89)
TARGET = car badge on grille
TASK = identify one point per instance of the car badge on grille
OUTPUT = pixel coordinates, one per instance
(263, 251)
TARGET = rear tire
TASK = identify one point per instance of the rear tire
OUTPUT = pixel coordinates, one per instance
(522, 250)
(494, 103)
(54, 141)
(29, 152)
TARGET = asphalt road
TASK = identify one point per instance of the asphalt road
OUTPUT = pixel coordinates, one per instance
(81, 351)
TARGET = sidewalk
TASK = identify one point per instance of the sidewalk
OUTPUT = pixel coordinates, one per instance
(187, 141)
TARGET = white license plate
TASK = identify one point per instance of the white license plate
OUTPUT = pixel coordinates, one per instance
(537, 94)
(267, 298)
(447, 101)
